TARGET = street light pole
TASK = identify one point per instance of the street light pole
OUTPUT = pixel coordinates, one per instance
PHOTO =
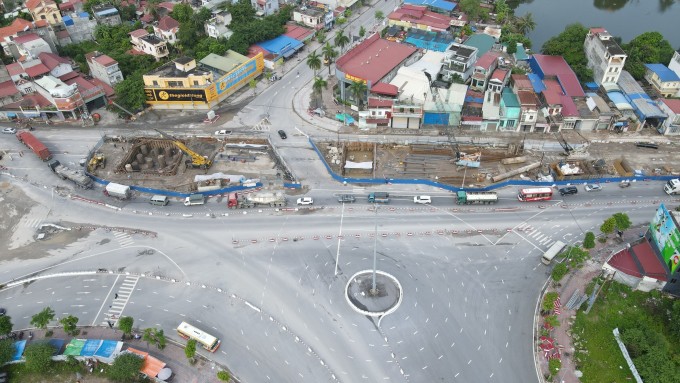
(337, 255)
(374, 290)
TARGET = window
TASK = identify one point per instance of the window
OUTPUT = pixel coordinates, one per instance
(510, 123)
(195, 83)
(174, 84)
(155, 83)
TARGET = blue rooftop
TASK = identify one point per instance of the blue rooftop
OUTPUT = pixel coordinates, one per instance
(439, 4)
(282, 45)
(663, 72)
(536, 82)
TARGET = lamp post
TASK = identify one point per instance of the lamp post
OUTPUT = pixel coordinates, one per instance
(374, 290)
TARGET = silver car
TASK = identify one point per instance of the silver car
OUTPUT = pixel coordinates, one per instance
(592, 187)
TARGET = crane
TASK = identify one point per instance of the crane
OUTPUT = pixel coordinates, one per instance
(197, 160)
(563, 142)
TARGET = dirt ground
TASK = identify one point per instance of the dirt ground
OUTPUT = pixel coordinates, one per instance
(227, 159)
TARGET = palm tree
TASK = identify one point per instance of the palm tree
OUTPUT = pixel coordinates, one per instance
(358, 90)
(341, 40)
(318, 86)
(314, 62)
(329, 54)
(525, 24)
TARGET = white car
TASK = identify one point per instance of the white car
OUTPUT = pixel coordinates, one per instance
(222, 132)
(593, 187)
(9, 130)
(424, 199)
(305, 201)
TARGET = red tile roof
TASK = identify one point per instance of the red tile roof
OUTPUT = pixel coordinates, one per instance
(673, 105)
(148, 18)
(62, 34)
(8, 88)
(68, 6)
(69, 76)
(556, 66)
(569, 108)
(638, 261)
(139, 33)
(597, 30)
(386, 89)
(487, 60)
(415, 14)
(105, 60)
(15, 69)
(253, 50)
(527, 98)
(552, 98)
(26, 38)
(167, 5)
(108, 90)
(41, 23)
(51, 60)
(499, 74)
(167, 24)
(297, 32)
(17, 26)
(379, 103)
(37, 70)
(374, 58)
(522, 82)
(31, 4)
(29, 101)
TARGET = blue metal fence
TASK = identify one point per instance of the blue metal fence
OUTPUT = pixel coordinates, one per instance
(170, 193)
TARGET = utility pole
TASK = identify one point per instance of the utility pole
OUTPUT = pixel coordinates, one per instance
(374, 290)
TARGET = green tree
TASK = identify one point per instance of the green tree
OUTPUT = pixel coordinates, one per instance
(5, 325)
(190, 350)
(329, 55)
(502, 11)
(6, 351)
(608, 226)
(362, 31)
(149, 336)
(379, 15)
(472, 8)
(160, 339)
(559, 271)
(525, 24)
(183, 13)
(38, 356)
(569, 44)
(253, 85)
(622, 221)
(341, 40)
(125, 368)
(223, 376)
(314, 62)
(43, 318)
(321, 36)
(548, 303)
(358, 90)
(317, 87)
(647, 48)
(70, 325)
(125, 325)
(130, 93)
(589, 240)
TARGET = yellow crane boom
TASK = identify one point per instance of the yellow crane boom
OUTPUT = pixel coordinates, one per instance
(197, 160)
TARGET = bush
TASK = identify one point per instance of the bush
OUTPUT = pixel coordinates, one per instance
(548, 301)
(125, 368)
(559, 271)
(554, 365)
(589, 240)
(552, 320)
(223, 376)
(38, 357)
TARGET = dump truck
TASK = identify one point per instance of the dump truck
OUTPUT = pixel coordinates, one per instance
(117, 190)
(34, 144)
(472, 198)
(379, 197)
(76, 176)
(241, 201)
(194, 199)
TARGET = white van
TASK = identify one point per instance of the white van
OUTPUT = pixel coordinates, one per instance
(552, 252)
(159, 200)
(422, 199)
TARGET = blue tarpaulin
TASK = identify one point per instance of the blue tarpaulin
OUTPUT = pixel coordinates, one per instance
(90, 347)
(107, 348)
(281, 45)
(58, 344)
(19, 347)
(536, 82)
(438, 4)
(591, 85)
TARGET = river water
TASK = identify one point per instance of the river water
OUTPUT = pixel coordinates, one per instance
(624, 18)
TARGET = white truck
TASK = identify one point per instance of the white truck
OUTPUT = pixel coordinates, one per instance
(672, 186)
(194, 199)
(117, 190)
(272, 199)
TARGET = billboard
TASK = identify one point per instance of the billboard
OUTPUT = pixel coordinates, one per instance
(175, 95)
(665, 234)
(241, 74)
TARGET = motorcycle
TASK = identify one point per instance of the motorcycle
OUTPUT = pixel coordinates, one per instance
(30, 335)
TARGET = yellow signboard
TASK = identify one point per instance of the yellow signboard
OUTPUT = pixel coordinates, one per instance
(353, 78)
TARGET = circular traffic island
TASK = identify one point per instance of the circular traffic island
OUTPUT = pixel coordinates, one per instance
(361, 296)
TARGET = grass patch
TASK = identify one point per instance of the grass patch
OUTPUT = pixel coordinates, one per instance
(58, 372)
(597, 353)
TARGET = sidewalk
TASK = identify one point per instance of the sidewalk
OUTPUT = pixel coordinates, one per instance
(173, 355)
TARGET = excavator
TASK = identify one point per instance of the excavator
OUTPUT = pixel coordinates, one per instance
(97, 160)
(197, 160)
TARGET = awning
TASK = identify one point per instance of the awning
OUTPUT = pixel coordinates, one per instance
(289, 53)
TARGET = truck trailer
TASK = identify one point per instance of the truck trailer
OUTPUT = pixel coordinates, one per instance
(194, 199)
(117, 190)
(66, 173)
(472, 198)
(672, 186)
(34, 144)
(271, 199)
(379, 197)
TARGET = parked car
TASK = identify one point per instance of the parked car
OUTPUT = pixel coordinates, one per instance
(9, 130)
(624, 184)
(347, 198)
(424, 199)
(222, 132)
(282, 134)
(567, 190)
(593, 187)
(305, 201)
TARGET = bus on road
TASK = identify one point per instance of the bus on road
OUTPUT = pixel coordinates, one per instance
(206, 340)
(535, 194)
(552, 252)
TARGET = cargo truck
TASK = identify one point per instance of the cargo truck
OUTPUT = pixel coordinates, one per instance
(194, 199)
(471, 198)
(117, 190)
(34, 144)
(672, 186)
(379, 197)
(271, 199)
(76, 176)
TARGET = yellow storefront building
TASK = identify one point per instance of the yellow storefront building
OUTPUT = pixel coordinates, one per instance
(186, 84)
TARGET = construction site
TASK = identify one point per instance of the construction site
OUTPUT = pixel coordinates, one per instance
(187, 164)
(469, 165)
